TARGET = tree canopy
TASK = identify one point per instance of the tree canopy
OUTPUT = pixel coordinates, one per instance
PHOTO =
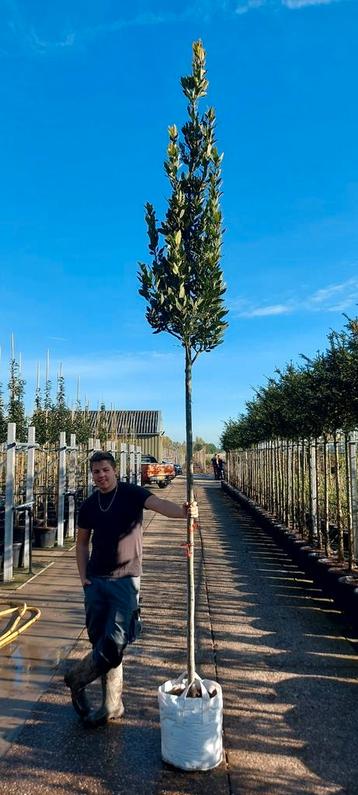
(184, 285)
(318, 396)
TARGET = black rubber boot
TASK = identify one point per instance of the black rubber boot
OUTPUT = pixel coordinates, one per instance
(112, 706)
(82, 674)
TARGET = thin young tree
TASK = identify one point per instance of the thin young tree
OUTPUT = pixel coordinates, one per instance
(184, 285)
(16, 407)
(3, 425)
(59, 415)
(39, 419)
(102, 425)
(81, 424)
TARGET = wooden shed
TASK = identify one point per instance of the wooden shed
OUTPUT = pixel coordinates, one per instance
(141, 427)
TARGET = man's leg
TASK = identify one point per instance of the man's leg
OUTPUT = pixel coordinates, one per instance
(89, 668)
(123, 595)
(121, 599)
(96, 607)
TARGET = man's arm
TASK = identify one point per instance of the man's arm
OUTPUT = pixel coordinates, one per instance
(171, 509)
(82, 553)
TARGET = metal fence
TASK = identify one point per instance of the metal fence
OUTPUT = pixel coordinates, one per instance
(310, 486)
(41, 488)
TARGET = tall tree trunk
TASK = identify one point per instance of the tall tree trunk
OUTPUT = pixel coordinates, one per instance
(46, 482)
(338, 498)
(349, 502)
(251, 469)
(278, 479)
(287, 484)
(267, 476)
(298, 490)
(310, 492)
(318, 518)
(312, 480)
(190, 522)
(303, 495)
(272, 478)
(354, 490)
(327, 546)
(277, 475)
(280, 487)
(251, 472)
(282, 483)
(293, 486)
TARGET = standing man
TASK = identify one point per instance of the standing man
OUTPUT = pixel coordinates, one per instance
(221, 470)
(214, 462)
(112, 519)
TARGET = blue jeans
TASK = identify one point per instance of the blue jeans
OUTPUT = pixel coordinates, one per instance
(112, 613)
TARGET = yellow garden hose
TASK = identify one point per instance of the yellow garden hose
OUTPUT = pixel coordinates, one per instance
(12, 630)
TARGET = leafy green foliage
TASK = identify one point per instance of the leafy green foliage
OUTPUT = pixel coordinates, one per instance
(16, 408)
(318, 397)
(59, 419)
(49, 416)
(39, 419)
(201, 444)
(81, 424)
(184, 285)
(3, 426)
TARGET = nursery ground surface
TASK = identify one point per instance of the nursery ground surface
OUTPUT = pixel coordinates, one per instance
(281, 651)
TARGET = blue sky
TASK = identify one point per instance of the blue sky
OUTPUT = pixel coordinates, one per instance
(87, 91)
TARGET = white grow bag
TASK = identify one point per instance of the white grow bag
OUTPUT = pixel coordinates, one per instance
(191, 728)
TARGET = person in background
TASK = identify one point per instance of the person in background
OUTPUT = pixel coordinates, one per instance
(221, 468)
(214, 462)
(112, 520)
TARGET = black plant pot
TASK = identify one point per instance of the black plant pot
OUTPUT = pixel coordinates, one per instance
(313, 562)
(324, 565)
(333, 574)
(345, 596)
(330, 574)
(302, 554)
(45, 537)
(295, 547)
(17, 555)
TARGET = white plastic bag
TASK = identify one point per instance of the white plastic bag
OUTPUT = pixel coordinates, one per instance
(191, 728)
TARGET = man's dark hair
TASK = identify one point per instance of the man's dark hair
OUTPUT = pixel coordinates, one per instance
(101, 455)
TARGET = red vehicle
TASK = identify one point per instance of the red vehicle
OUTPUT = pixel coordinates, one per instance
(153, 472)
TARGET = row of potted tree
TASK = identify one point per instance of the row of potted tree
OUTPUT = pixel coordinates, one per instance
(49, 412)
(293, 453)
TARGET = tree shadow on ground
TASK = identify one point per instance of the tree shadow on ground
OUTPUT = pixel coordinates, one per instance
(288, 672)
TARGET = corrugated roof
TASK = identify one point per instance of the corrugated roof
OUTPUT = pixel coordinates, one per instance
(123, 423)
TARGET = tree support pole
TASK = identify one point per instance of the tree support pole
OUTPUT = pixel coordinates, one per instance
(123, 463)
(354, 490)
(29, 498)
(89, 473)
(72, 486)
(9, 501)
(61, 489)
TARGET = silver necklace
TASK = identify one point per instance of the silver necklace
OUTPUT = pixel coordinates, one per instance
(104, 510)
